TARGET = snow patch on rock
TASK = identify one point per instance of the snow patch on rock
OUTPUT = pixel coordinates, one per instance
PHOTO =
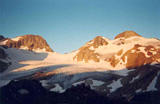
(23, 91)
(135, 78)
(115, 85)
(152, 87)
(17, 38)
(58, 89)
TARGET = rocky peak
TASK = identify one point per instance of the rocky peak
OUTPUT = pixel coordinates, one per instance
(29, 42)
(87, 52)
(127, 34)
(99, 41)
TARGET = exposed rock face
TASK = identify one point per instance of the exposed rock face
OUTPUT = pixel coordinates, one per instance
(98, 41)
(127, 34)
(29, 42)
(87, 52)
(137, 56)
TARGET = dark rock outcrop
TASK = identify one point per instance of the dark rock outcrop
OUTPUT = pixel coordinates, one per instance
(22, 92)
(3, 66)
(2, 37)
(152, 97)
(3, 55)
(31, 92)
(3, 63)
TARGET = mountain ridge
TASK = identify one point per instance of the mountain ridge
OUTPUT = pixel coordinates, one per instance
(107, 66)
(115, 52)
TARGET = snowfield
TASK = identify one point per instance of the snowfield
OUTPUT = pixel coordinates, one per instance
(61, 67)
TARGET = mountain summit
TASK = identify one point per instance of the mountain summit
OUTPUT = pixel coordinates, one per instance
(87, 53)
(127, 34)
(28, 42)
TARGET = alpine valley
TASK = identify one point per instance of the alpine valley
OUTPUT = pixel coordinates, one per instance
(103, 71)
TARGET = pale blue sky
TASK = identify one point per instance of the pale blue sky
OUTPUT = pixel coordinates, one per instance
(68, 24)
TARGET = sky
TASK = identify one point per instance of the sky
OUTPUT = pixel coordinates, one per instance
(68, 24)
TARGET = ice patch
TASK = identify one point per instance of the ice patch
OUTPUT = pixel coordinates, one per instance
(115, 85)
(58, 89)
(137, 77)
(96, 83)
(23, 91)
(123, 72)
(151, 86)
(4, 82)
(139, 90)
(44, 83)
(78, 83)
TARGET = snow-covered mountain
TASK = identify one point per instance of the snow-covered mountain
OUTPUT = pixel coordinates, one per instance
(127, 65)
(127, 50)
(28, 42)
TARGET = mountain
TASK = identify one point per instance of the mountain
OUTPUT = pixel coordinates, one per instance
(127, 66)
(128, 49)
(28, 42)
(133, 59)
